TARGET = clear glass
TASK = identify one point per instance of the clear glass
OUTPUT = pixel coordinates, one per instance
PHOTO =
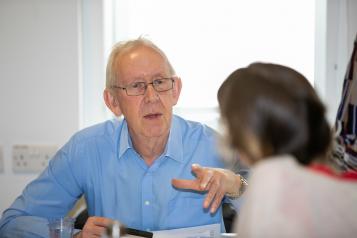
(61, 227)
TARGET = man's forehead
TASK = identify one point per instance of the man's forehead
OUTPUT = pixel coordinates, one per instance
(143, 56)
(135, 59)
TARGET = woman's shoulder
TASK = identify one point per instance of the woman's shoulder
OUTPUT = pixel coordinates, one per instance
(274, 169)
(282, 170)
(283, 192)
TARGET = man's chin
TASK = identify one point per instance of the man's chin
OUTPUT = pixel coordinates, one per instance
(155, 132)
(155, 128)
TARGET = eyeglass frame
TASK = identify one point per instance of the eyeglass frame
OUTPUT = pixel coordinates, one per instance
(146, 86)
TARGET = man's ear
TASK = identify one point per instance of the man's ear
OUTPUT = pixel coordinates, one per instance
(177, 89)
(112, 102)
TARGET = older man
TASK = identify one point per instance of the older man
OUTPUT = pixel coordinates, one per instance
(125, 168)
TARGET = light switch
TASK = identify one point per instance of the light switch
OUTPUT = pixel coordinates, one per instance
(31, 158)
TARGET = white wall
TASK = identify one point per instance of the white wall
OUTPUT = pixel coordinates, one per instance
(39, 79)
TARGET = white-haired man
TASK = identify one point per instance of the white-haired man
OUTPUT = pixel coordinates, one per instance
(125, 168)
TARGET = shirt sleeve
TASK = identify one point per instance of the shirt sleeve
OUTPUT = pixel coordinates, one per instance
(51, 195)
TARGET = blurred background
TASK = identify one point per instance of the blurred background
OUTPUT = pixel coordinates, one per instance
(53, 56)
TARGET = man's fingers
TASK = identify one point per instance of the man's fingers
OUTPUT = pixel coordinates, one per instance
(97, 231)
(203, 175)
(217, 202)
(95, 227)
(186, 184)
(102, 221)
(197, 169)
(211, 194)
(206, 179)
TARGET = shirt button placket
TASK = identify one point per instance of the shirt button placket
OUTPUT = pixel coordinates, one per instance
(147, 198)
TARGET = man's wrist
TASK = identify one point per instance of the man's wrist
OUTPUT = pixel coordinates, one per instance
(241, 188)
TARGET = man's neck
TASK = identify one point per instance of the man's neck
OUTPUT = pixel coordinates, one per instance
(150, 148)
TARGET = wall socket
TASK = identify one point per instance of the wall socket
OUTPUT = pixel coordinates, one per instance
(31, 158)
(1, 160)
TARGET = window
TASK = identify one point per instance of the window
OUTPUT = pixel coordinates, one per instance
(206, 40)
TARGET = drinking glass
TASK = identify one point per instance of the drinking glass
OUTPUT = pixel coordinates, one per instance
(61, 227)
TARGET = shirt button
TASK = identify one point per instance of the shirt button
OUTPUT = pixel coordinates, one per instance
(147, 203)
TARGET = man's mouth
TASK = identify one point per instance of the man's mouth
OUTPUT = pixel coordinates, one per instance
(152, 116)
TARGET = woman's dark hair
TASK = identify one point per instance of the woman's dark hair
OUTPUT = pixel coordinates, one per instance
(279, 107)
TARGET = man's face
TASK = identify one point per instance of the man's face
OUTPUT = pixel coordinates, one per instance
(148, 115)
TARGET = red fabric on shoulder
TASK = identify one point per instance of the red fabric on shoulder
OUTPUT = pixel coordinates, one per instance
(320, 168)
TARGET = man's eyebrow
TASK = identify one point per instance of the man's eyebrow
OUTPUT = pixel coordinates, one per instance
(153, 77)
(136, 80)
(161, 74)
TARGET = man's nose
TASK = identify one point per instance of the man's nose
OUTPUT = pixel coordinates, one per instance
(151, 94)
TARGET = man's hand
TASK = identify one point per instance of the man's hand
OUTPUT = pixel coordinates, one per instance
(94, 227)
(216, 181)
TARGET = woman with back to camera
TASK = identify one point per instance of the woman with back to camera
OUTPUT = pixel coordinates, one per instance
(276, 121)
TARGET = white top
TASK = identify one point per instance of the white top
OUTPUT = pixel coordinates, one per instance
(285, 199)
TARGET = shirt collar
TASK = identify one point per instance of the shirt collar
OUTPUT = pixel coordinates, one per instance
(124, 139)
(174, 146)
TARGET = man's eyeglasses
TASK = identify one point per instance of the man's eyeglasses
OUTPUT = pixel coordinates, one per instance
(139, 88)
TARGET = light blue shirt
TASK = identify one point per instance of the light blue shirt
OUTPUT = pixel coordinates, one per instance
(101, 163)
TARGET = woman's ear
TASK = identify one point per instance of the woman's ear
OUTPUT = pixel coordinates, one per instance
(112, 102)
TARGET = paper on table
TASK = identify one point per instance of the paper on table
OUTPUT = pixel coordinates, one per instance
(207, 231)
